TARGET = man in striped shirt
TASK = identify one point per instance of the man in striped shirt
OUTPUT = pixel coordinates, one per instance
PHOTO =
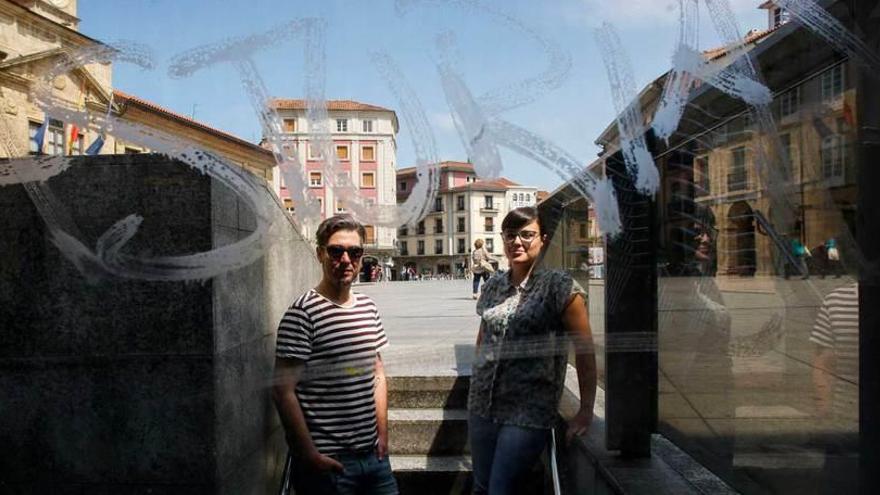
(836, 361)
(330, 387)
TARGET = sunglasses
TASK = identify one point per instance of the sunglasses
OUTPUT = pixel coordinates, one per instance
(354, 252)
(526, 236)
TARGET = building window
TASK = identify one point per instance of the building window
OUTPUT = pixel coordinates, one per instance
(490, 245)
(368, 179)
(368, 153)
(340, 208)
(289, 125)
(460, 224)
(420, 228)
(402, 186)
(459, 202)
(461, 249)
(786, 162)
(487, 203)
(737, 177)
(438, 204)
(404, 248)
(403, 231)
(831, 83)
(288, 150)
(833, 157)
(780, 16)
(438, 246)
(702, 170)
(54, 138)
(315, 179)
(438, 226)
(314, 151)
(489, 224)
(789, 102)
(131, 151)
(369, 234)
(342, 152)
(341, 125)
(420, 247)
(367, 126)
(582, 230)
(321, 205)
(79, 147)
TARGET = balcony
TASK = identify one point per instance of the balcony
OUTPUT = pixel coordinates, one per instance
(493, 208)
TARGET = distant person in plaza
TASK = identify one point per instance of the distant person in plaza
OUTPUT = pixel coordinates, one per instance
(801, 253)
(330, 387)
(528, 317)
(482, 268)
(832, 257)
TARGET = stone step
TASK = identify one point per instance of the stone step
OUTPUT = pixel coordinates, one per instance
(440, 432)
(432, 475)
(410, 392)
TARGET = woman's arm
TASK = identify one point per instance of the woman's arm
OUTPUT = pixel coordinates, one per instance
(577, 324)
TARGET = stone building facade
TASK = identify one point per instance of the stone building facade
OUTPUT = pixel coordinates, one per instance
(466, 209)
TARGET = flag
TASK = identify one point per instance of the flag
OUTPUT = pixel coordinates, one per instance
(40, 135)
(848, 115)
(96, 146)
(74, 135)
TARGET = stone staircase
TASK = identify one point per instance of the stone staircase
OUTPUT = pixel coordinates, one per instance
(427, 424)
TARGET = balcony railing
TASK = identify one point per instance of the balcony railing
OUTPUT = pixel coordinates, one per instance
(494, 207)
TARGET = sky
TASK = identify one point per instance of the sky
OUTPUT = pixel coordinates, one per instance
(490, 54)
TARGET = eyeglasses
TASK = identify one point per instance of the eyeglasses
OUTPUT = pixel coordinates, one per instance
(526, 236)
(354, 252)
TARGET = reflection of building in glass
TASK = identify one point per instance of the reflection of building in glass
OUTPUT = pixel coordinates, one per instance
(362, 136)
(577, 244)
(36, 37)
(465, 209)
(806, 189)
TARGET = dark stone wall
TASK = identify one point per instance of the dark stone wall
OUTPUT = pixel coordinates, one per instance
(128, 386)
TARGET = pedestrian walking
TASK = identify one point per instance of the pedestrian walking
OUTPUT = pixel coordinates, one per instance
(329, 387)
(801, 253)
(528, 317)
(832, 254)
(482, 268)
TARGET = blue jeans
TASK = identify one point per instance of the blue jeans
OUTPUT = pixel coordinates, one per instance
(477, 278)
(503, 455)
(364, 474)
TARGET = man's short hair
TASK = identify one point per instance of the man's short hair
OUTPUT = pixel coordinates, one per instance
(336, 223)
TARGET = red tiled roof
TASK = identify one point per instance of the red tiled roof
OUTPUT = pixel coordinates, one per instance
(752, 37)
(288, 104)
(499, 184)
(443, 165)
(127, 99)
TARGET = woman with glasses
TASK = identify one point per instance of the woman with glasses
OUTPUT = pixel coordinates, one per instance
(528, 317)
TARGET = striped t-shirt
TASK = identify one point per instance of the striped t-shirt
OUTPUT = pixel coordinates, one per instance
(837, 328)
(339, 345)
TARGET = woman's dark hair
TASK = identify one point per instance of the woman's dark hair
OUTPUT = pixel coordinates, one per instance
(518, 218)
(336, 223)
